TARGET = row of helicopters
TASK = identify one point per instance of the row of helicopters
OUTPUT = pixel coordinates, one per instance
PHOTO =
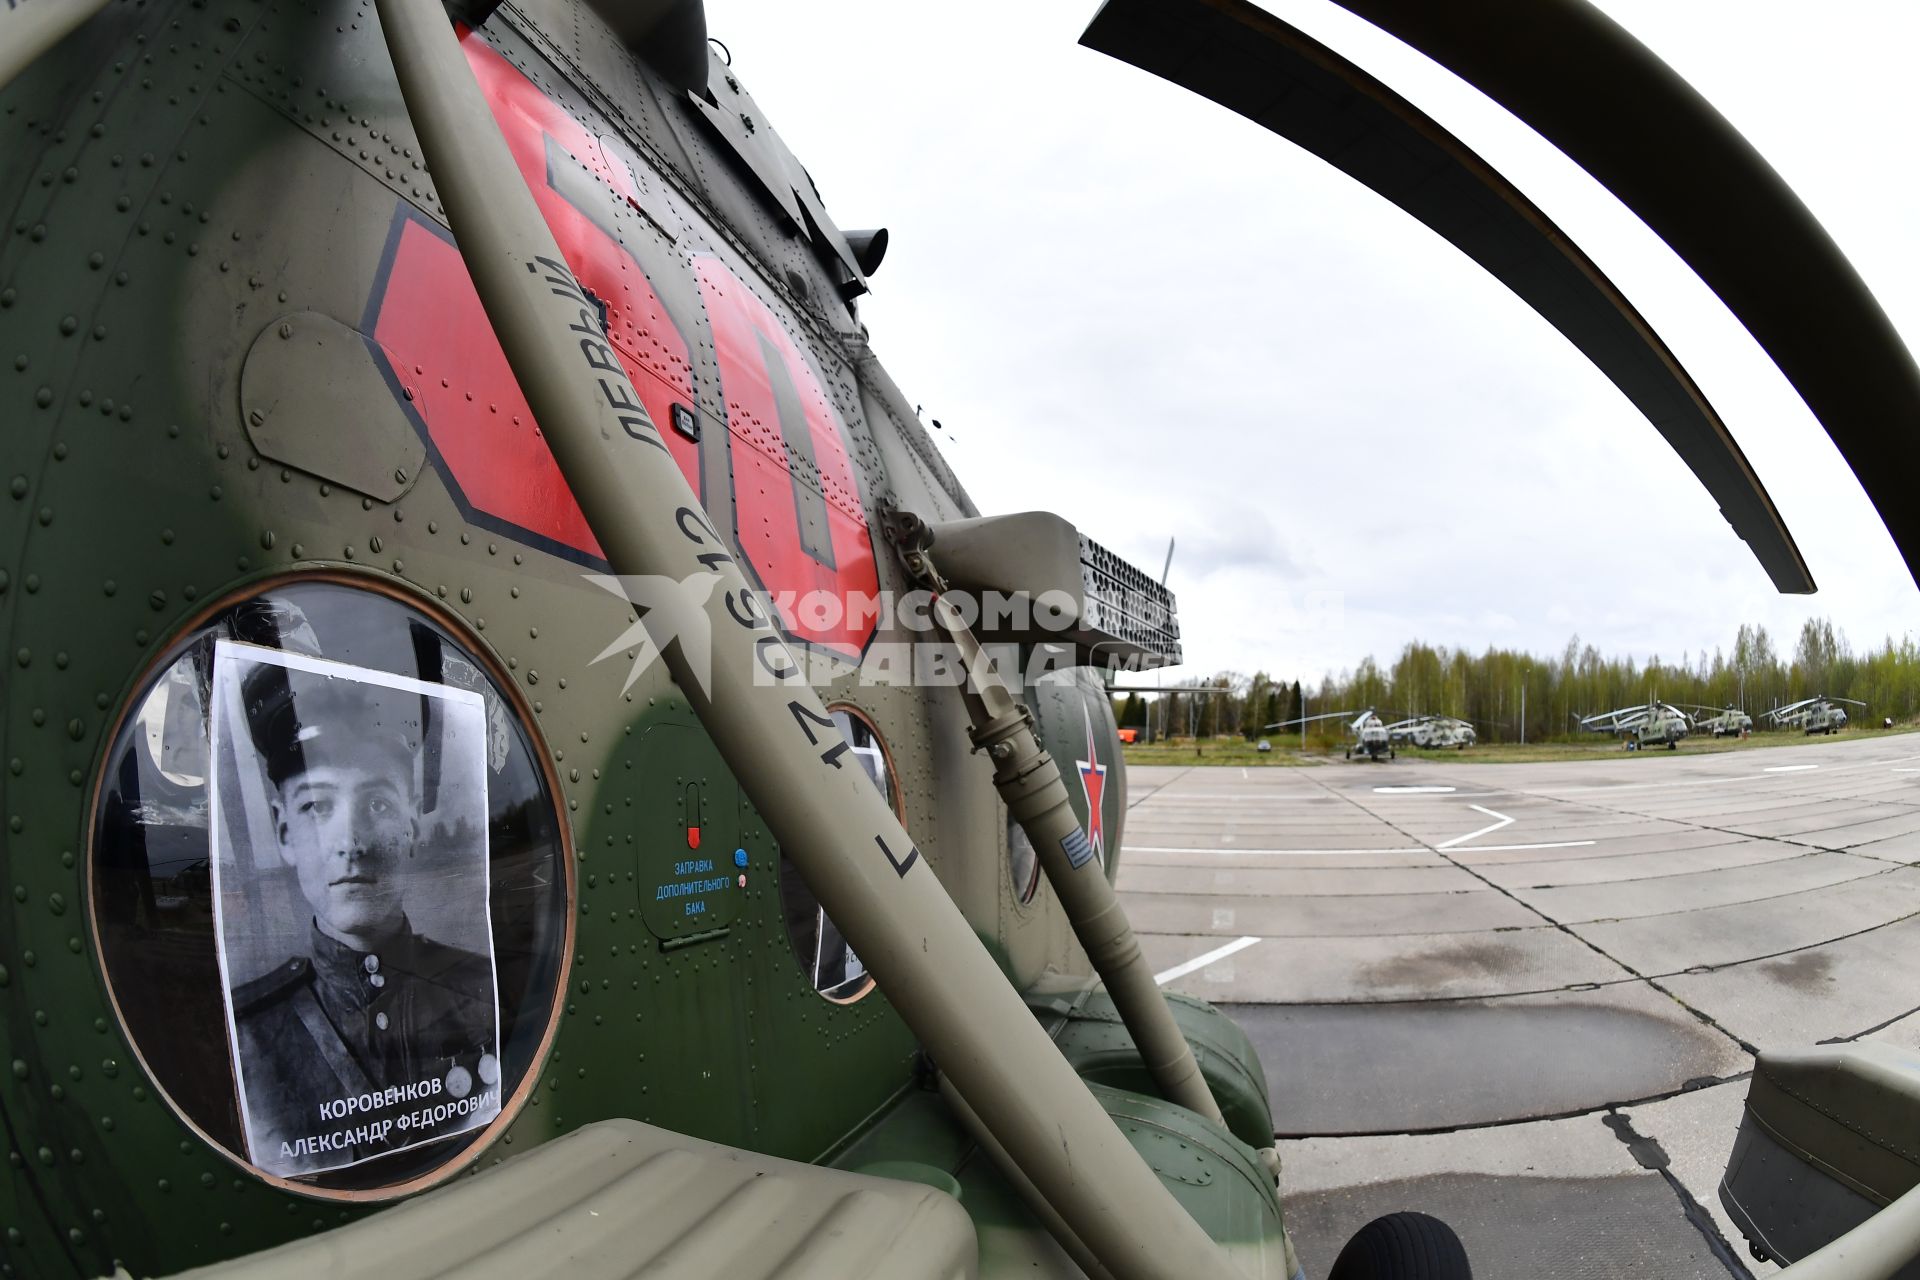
(1658, 723)
(374, 363)
(1371, 736)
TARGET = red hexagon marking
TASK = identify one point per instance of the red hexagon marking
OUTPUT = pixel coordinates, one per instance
(427, 321)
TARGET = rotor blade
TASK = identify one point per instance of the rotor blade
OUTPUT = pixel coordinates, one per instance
(1603, 98)
(1330, 715)
(1281, 78)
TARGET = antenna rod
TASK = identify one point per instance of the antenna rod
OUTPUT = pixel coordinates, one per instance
(835, 825)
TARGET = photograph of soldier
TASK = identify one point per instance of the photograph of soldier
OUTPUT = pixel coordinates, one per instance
(350, 869)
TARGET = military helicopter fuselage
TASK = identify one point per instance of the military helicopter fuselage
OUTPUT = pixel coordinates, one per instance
(1432, 732)
(1819, 714)
(1727, 722)
(1369, 736)
(1666, 730)
(1371, 740)
(1654, 724)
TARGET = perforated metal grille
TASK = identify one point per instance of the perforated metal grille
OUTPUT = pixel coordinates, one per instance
(1126, 605)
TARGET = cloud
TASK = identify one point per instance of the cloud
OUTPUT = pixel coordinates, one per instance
(1131, 307)
(1208, 542)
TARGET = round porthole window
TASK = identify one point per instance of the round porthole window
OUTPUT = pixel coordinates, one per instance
(330, 886)
(829, 963)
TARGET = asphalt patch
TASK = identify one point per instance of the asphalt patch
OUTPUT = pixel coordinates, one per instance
(1437, 1065)
(1447, 961)
(1523, 1228)
(1803, 971)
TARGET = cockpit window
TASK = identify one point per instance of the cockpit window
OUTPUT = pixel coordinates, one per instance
(330, 887)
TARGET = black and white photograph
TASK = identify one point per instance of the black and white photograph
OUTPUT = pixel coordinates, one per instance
(350, 873)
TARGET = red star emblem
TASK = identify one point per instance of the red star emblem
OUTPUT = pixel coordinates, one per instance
(1093, 783)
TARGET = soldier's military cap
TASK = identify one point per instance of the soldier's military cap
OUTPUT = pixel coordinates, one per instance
(299, 718)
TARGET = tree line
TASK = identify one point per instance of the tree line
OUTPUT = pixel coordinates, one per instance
(1491, 688)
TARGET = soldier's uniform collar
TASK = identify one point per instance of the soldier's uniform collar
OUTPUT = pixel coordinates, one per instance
(354, 979)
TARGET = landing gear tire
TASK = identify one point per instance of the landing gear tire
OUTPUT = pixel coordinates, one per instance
(1349, 753)
(1672, 745)
(1390, 754)
(1403, 1246)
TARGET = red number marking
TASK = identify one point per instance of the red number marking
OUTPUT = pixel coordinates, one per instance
(801, 527)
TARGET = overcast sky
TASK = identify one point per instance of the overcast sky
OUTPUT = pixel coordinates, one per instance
(1132, 307)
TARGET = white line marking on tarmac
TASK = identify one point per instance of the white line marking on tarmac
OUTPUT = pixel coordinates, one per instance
(1789, 768)
(1516, 848)
(1907, 770)
(1275, 853)
(1504, 820)
(1243, 772)
(1412, 791)
(1329, 853)
(1202, 961)
(1722, 780)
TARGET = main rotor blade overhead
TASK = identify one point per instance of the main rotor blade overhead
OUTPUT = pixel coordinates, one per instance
(1587, 86)
(1280, 78)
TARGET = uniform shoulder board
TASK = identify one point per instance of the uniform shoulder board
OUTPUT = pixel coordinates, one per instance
(271, 985)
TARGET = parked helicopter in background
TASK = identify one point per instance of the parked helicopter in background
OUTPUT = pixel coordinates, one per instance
(1818, 714)
(1721, 722)
(1639, 727)
(1370, 737)
(1434, 732)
